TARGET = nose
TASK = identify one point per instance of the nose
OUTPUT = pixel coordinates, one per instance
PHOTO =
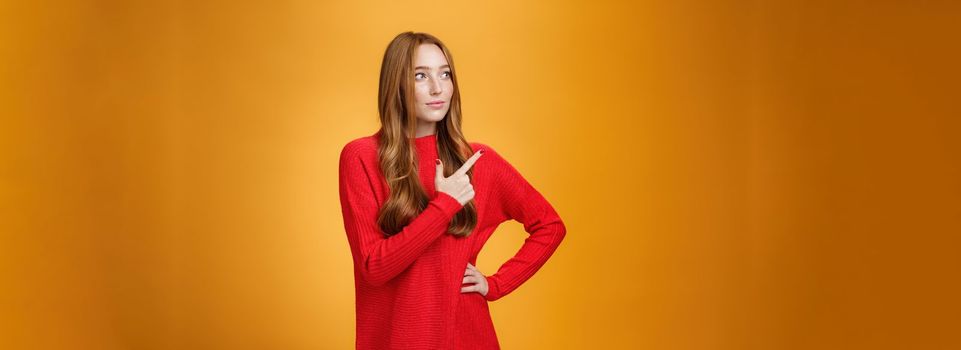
(435, 87)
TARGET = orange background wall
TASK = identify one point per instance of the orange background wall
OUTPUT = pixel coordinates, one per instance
(733, 175)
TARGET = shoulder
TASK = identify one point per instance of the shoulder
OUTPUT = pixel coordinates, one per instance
(359, 148)
(491, 157)
(477, 146)
(358, 154)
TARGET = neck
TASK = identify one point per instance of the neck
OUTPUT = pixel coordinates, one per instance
(425, 128)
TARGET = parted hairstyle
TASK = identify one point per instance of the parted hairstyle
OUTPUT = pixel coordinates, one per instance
(396, 150)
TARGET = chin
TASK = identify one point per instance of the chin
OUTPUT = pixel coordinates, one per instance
(435, 116)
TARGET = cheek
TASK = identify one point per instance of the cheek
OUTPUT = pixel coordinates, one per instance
(449, 88)
(422, 93)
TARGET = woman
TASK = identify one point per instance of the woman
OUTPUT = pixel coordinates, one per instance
(419, 202)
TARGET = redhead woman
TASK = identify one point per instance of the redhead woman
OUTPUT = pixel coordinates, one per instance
(419, 202)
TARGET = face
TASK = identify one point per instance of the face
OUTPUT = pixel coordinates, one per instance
(433, 84)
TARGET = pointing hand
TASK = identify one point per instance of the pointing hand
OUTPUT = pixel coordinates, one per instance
(458, 184)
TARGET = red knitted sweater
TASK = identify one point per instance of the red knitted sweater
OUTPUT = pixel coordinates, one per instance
(408, 285)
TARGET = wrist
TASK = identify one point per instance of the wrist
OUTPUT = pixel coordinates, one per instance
(493, 292)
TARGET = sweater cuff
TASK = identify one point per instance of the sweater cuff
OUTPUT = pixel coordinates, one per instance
(447, 204)
(493, 290)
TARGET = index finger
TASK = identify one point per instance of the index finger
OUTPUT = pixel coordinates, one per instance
(468, 164)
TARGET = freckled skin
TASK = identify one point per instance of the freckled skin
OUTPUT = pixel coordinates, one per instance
(431, 84)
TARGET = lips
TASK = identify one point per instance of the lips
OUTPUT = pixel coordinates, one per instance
(436, 105)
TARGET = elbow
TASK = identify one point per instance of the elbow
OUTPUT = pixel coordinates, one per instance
(560, 231)
(373, 274)
(373, 279)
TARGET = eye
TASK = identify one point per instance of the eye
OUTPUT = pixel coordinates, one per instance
(447, 72)
(419, 75)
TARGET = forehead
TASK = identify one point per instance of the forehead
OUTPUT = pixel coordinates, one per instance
(429, 55)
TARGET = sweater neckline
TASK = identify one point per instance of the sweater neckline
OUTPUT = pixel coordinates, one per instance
(425, 140)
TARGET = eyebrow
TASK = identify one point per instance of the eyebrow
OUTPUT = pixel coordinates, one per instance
(425, 67)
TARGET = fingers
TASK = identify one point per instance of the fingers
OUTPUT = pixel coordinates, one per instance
(471, 274)
(477, 287)
(439, 169)
(474, 276)
(469, 163)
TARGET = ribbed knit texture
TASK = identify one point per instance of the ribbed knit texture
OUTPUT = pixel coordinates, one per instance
(408, 285)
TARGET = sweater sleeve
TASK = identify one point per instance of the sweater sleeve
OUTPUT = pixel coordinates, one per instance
(378, 258)
(520, 201)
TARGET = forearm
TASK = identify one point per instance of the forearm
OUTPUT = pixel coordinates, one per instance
(532, 255)
(384, 259)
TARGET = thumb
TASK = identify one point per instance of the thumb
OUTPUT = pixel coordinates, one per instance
(439, 170)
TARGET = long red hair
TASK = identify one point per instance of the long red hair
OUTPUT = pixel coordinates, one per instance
(396, 151)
